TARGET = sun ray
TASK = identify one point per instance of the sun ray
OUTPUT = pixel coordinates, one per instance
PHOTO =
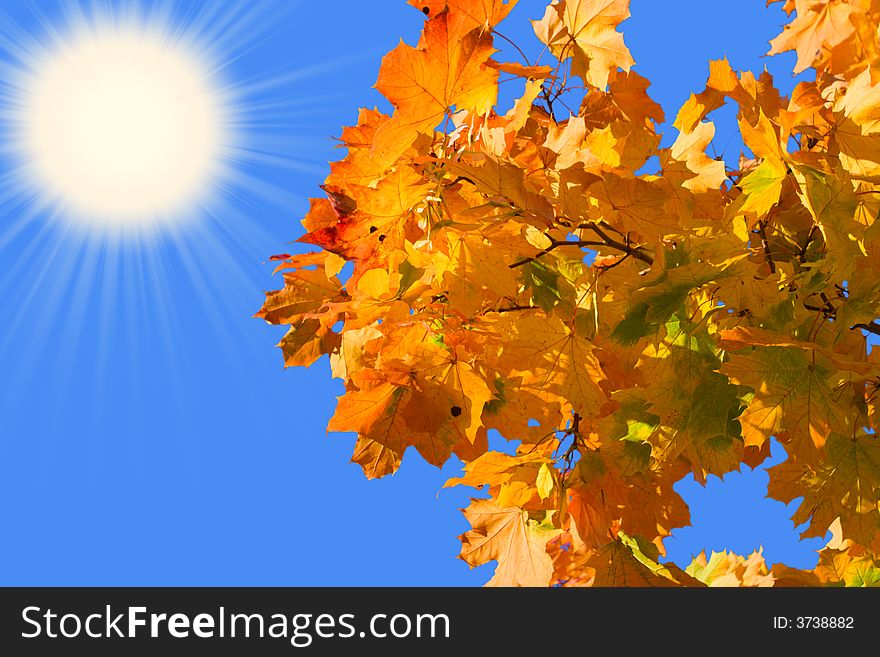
(136, 295)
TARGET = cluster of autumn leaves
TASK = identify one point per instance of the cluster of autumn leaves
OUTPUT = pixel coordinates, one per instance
(513, 272)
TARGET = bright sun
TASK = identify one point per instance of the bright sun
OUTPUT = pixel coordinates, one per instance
(122, 128)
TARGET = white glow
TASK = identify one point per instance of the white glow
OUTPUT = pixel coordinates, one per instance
(122, 128)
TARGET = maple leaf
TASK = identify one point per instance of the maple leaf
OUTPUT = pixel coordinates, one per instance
(690, 148)
(722, 81)
(585, 30)
(793, 397)
(762, 187)
(515, 481)
(467, 15)
(818, 25)
(833, 204)
(860, 103)
(614, 488)
(423, 83)
(629, 90)
(509, 537)
(306, 341)
(554, 361)
(495, 178)
(845, 485)
(841, 563)
(731, 570)
(373, 410)
(376, 459)
(624, 561)
(305, 291)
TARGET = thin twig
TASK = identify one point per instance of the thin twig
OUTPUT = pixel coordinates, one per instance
(605, 268)
(802, 255)
(870, 327)
(636, 252)
(555, 244)
(519, 50)
(514, 308)
(762, 231)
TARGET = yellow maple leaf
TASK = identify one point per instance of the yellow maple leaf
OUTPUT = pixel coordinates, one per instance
(585, 30)
(690, 148)
(818, 25)
(509, 537)
(422, 83)
(845, 485)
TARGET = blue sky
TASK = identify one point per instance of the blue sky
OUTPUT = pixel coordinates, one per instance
(148, 433)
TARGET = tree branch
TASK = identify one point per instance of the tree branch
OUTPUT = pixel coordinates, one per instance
(555, 244)
(637, 252)
(515, 307)
(870, 327)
